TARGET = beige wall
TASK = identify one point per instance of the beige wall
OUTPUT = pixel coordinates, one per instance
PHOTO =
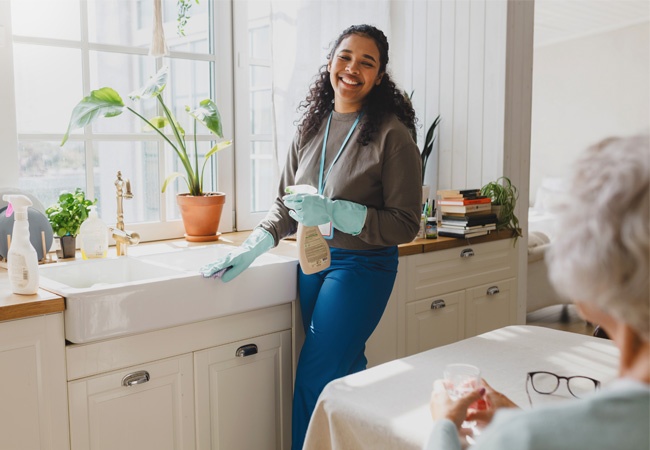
(584, 90)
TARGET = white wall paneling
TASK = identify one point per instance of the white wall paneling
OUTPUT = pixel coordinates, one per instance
(465, 84)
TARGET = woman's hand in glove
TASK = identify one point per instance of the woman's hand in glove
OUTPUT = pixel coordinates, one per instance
(235, 262)
(314, 209)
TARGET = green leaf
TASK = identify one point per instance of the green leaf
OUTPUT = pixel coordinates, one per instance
(220, 146)
(171, 178)
(153, 88)
(159, 122)
(104, 102)
(208, 114)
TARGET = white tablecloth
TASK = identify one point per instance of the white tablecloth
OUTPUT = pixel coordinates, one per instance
(387, 407)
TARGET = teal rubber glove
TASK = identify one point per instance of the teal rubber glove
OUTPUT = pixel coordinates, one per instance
(235, 262)
(312, 209)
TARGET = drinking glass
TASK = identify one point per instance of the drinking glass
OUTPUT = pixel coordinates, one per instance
(461, 379)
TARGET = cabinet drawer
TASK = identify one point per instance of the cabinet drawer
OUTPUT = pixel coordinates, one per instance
(491, 306)
(434, 322)
(147, 406)
(459, 268)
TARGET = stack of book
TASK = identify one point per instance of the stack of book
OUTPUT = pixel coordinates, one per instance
(465, 213)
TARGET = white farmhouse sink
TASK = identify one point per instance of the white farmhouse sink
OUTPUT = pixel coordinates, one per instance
(117, 296)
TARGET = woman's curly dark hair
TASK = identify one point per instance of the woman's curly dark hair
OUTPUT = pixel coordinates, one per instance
(382, 100)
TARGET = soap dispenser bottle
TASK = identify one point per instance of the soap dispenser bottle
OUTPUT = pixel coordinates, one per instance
(22, 261)
(93, 236)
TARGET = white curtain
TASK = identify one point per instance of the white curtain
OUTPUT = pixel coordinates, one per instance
(302, 32)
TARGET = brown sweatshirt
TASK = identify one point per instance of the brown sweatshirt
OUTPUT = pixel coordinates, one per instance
(384, 175)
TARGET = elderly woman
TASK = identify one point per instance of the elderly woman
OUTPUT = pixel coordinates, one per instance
(600, 261)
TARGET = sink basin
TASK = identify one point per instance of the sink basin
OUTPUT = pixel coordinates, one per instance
(101, 273)
(112, 297)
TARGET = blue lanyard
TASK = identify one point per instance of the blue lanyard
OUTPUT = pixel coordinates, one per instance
(321, 181)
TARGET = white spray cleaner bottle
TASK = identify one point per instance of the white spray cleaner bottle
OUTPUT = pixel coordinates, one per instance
(313, 251)
(22, 262)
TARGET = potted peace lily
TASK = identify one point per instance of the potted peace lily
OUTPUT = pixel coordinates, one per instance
(201, 211)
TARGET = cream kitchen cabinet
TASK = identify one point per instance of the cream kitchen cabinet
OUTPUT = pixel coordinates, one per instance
(34, 407)
(443, 296)
(223, 383)
(243, 394)
(150, 406)
(458, 293)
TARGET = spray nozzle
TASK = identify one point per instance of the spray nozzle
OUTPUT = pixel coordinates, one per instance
(18, 203)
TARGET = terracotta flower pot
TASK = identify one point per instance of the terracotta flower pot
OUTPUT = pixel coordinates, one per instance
(201, 215)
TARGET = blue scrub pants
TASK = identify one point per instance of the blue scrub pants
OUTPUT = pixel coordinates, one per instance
(341, 306)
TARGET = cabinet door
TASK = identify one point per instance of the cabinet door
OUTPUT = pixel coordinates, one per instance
(243, 394)
(491, 306)
(34, 404)
(434, 321)
(150, 406)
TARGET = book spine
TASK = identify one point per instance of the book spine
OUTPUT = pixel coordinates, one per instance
(465, 208)
(466, 201)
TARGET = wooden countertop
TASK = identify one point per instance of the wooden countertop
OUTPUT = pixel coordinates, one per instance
(13, 306)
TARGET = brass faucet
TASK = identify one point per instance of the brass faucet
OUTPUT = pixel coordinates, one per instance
(123, 238)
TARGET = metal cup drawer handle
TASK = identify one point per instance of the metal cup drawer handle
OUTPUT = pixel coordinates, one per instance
(437, 304)
(246, 350)
(467, 253)
(493, 290)
(139, 377)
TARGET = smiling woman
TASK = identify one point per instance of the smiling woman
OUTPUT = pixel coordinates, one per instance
(354, 71)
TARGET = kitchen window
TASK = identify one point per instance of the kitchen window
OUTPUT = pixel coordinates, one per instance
(61, 50)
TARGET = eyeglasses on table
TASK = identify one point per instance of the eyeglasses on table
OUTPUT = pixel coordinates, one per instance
(547, 383)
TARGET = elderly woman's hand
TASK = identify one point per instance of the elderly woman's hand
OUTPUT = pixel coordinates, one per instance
(494, 400)
(443, 407)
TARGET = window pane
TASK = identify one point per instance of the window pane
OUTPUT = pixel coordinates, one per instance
(46, 18)
(197, 36)
(260, 77)
(127, 22)
(121, 22)
(125, 74)
(261, 116)
(259, 39)
(138, 162)
(260, 42)
(261, 176)
(187, 85)
(45, 169)
(48, 86)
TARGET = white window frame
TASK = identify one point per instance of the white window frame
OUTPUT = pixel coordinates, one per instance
(223, 86)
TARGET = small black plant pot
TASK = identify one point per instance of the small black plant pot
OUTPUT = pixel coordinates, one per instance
(67, 247)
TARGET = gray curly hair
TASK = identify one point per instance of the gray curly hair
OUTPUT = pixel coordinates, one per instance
(602, 247)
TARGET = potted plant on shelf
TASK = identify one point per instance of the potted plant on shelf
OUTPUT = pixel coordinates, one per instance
(66, 216)
(504, 197)
(201, 211)
(426, 149)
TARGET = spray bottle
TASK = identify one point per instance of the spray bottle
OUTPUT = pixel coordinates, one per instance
(22, 262)
(313, 251)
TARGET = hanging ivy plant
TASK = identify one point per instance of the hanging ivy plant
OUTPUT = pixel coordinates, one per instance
(183, 7)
